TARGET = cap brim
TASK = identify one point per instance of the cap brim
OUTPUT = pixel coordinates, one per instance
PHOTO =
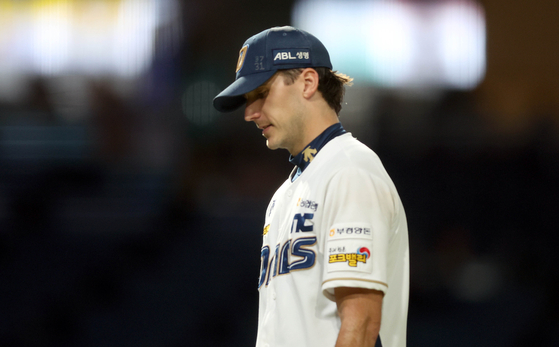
(232, 97)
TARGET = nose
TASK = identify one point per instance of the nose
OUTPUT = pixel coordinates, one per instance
(252, 110)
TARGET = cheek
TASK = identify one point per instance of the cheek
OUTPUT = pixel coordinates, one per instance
(276, 105)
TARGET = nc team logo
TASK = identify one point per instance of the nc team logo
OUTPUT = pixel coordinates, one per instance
(242, 56)
(352, 259)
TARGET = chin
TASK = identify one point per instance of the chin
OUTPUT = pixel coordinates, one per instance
(270, 146)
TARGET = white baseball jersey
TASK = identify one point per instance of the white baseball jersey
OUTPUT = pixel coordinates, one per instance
(339, 224)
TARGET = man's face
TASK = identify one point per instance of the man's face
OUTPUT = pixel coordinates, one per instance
(276, 108)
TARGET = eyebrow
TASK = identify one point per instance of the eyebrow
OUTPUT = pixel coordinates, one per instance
(263, 87)
(258, 90)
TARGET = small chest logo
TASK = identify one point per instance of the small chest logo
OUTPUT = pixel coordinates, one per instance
(308, 154)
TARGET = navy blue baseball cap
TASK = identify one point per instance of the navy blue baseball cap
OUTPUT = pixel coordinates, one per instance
(265, 53)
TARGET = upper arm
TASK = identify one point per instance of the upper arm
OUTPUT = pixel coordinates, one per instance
(359, 213)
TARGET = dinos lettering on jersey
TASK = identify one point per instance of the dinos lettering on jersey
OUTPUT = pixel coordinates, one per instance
(281, 263)
(264, 258)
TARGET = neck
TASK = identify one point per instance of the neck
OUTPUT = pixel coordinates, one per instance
(315, 125)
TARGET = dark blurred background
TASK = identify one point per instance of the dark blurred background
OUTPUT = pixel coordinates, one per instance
(131, 211)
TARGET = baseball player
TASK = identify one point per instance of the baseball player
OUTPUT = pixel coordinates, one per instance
(335, 257)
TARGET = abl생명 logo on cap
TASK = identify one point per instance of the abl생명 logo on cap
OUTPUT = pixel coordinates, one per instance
(289, 56)
(242, 56)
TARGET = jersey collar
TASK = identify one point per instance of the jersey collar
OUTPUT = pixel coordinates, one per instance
(306, 156)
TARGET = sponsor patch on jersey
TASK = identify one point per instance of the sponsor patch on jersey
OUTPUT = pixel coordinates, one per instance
(291, 55)
(266, 229)
(349, 248)
(351, 258)
(313, 205)
(350, 231)
(349, 255)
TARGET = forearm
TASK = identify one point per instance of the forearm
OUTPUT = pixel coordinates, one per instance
(357, 333)
(360, 314)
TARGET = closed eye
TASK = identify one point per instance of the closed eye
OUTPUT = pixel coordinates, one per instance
(263, 94)
(259, 93)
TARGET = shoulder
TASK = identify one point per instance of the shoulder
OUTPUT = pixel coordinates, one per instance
(347, 159)
(346, 152)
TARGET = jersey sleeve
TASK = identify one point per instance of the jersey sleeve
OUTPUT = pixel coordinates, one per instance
(359, 208)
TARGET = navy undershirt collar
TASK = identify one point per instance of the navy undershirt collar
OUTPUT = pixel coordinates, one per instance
(303, 159)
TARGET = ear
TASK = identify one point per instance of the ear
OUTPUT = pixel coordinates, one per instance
(310, 80)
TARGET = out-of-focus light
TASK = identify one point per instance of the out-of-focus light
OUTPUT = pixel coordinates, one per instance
(134, 36)
(341, 35)
(397, 44)
(51, 27)
(197, 102)
(388, 42)
(462, 48)
(89, 37)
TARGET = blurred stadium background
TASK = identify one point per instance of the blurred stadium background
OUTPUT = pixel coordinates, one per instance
(130, 210)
